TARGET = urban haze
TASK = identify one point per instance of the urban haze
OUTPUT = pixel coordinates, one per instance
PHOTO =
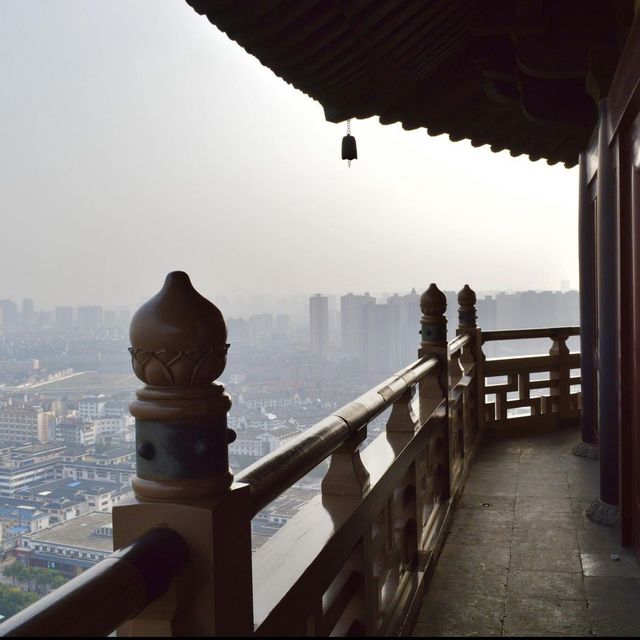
(136, 140)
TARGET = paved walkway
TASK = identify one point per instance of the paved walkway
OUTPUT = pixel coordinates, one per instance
(522, 560)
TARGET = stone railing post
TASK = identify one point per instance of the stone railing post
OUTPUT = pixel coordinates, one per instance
(467, 314)
(178, 347)
(472, 355)
(433, 389)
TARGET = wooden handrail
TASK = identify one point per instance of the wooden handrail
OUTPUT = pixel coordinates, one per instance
(525, 334)
(532, 364)
(276, 472)
(559, 406)
(108, 594)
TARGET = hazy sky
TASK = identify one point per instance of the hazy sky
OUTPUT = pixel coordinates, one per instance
(136, 139)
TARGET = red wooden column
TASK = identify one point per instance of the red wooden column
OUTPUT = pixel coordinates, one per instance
(624, 140)
(631, 468)
(629, 145)
(605, 509)
(588, 446)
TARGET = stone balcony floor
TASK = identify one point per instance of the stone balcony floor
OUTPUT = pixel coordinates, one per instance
(521, 559)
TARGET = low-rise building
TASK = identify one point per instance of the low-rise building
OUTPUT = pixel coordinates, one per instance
(76, 432)
(65, 508)
(112, 429)
(25, 424)
(18, 517)
(98, 495)
(70, 547)
(248, 443)
(28, 464)
(92, 408)
(276, 437)
(85, 470)
(114, 457)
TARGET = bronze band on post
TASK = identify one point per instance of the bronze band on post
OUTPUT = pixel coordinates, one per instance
(178, 347)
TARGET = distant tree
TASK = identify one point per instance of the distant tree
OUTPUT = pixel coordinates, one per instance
(57, 580)
(42, 579)
(13, 600)
(29, 577)
(13, 571)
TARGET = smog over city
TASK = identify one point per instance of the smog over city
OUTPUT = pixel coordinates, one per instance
(137, 139)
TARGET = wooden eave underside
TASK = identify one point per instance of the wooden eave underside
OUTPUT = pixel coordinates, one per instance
(522, 75)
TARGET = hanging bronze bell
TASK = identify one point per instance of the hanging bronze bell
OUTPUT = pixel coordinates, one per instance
(349, 149)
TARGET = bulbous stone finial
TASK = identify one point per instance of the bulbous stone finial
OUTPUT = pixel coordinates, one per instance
(178, 338)
(433, 304)
(466, 296)
(467, 307)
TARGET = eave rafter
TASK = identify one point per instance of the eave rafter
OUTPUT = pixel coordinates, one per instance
(522, 75)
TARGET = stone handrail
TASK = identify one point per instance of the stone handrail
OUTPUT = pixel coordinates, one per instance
(276, 472)
(336, 567)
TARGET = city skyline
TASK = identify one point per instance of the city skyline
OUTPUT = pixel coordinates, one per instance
(238, 305)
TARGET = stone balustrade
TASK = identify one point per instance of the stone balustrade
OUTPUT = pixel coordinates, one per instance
(355, 559)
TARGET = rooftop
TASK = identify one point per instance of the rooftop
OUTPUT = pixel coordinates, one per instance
(78, 532)
(68, 488)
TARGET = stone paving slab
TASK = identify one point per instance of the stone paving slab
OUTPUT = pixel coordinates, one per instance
(521, 559)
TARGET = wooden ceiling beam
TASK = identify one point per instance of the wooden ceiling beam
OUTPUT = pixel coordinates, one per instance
(552, 59)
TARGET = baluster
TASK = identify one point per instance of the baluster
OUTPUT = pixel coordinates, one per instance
(178, 347)
(561, 374)
(347, 475)
(402, 418)
(433, 389)
(501, 404)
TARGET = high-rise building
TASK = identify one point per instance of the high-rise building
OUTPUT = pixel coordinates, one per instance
(28, 315)
(283, 322)
(404, 327)
(352, 321)
(10, 316)
(89, 317)
(124, 318)
(64, 318)
(260, 327)
(319, 323)
(110, 319)
(237, 330)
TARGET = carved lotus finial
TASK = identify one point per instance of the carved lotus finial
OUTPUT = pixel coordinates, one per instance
(433, 302)
(178, 338)
(466, 297)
